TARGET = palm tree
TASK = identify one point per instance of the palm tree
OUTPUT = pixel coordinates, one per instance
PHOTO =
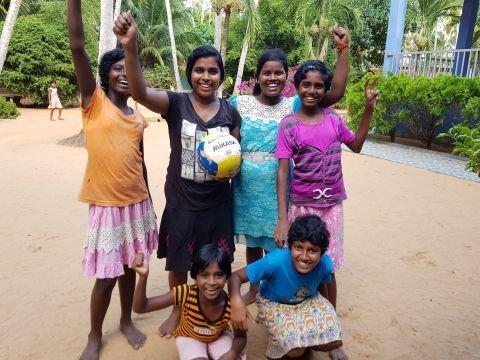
(4, 5)
(229, 6)
(153, 37)
(173, 46)
(253, 25)
(106, 25)
(7, 30)
(118, 8)
(315, 18)
(428, 13)
(217, 42)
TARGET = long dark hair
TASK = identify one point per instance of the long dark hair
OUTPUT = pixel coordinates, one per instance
(210, 254)
(269, 55)
(204, 51)
(309, 228)
(313, 65)
(106, 62)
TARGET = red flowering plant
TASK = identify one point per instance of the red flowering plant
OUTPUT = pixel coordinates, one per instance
(246, 87)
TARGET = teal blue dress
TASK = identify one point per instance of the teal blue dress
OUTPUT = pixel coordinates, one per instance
(254, 188)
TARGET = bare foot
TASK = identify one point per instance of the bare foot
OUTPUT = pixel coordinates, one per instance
(61, 119)
(250, 296)
(338, 354)
(135, 337)
(92, 349)
(169, 325)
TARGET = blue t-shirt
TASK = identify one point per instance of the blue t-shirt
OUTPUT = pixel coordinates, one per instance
(280, 282)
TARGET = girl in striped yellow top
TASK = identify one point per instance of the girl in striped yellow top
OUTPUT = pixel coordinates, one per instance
(203, 331)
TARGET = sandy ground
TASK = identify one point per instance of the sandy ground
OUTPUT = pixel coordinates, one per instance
(410, 288)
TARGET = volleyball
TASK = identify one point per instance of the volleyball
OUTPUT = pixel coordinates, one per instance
(219, 155)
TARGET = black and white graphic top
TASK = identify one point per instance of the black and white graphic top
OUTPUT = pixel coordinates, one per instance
(191, 137)
(187, 186)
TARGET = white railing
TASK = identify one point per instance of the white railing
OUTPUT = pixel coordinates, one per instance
(431, 63)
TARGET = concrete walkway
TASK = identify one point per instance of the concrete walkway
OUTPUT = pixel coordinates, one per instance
(425, 159)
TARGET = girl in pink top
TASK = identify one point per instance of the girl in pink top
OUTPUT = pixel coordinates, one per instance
(312, 138)
(121, 219)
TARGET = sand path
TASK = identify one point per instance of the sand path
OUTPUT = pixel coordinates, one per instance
(409, 290)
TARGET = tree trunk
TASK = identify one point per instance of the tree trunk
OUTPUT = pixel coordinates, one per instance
(223, 47)
(118, 8)
(392, 135)
(323, 52)
(241, 64)
(226, 27)
(217, 40)
(243, 57)
(173, 46)
(106, 26)
(8, 30)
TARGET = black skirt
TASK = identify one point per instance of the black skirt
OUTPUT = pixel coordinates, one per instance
(182, 232)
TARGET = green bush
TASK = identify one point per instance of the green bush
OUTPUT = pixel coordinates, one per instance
(466, 142)
(390, 104)
(159, 77)
(8, 110)
(421, 103)
(39, 52)
(431, 99)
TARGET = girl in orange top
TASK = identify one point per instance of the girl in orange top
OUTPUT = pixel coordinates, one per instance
(204, 330)
(121, 221)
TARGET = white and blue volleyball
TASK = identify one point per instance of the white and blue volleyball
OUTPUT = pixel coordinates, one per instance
(219, 155)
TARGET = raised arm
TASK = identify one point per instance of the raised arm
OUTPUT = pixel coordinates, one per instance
(370, 103)
(142, 304)
(340, 77)
(83, 70)
(126, 31)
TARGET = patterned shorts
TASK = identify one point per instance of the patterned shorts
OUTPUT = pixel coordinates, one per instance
(313, 322)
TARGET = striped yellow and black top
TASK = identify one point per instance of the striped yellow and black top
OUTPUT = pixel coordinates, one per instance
(193, 323)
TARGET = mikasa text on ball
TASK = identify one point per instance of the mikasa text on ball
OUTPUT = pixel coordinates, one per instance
(219, 155)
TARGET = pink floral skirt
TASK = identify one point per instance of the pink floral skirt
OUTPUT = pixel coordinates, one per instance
(115, 235)
(333, 216)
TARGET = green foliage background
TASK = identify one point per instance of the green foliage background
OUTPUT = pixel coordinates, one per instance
(8, 110)
(421, 103)
(39, 52)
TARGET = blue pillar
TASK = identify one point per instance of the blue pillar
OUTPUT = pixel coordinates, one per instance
(396, 28)
(465, 35)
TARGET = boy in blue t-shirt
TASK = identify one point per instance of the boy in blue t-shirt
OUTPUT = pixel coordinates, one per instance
(296, 315)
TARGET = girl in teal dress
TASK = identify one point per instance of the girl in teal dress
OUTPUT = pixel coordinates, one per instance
(254, 189)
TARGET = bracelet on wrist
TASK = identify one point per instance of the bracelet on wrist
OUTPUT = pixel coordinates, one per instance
(339, 48)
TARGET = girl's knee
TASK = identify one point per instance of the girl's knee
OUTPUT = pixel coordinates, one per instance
(105, 285)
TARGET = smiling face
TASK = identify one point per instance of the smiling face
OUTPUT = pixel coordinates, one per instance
(272, 78)
(211, 281)
(311, 89)
(205, 78)
(305, 256)
(117, 78)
